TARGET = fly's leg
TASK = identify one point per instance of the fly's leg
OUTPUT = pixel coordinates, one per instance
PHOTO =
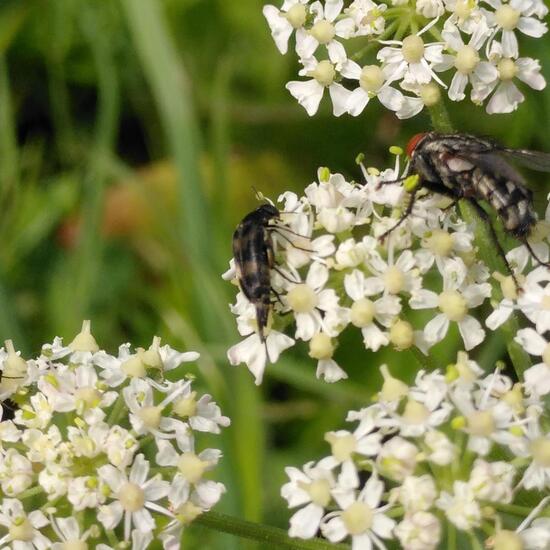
(494, 237)
(403, 217)
(532, 252)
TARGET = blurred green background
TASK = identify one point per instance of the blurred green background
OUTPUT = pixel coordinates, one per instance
(131, 132)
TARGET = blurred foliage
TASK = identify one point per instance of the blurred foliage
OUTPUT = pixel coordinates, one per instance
(131, 132)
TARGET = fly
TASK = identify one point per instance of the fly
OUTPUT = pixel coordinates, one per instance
(462, 166)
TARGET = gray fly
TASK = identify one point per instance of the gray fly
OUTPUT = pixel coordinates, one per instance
(462, 166)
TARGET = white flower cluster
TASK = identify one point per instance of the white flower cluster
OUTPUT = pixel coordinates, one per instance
(451, 452)
(335, 273)
(410, 45)
(83, 424)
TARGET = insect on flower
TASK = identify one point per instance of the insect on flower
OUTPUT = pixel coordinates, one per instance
(254, 259)
(463, 166)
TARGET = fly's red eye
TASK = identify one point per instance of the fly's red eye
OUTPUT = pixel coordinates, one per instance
(413, 142)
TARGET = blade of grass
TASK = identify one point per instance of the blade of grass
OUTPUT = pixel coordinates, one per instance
(9, 167)
(88, 256)
(168, 81)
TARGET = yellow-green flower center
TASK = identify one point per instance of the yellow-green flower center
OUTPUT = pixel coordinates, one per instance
(324, 73)
(507, 17)
(318, 490)
(191, 467)
(186, 406)
(371, 78)
(453, 305)
(296, 15)
(507, 69)
(302, 298)
(21, 529)
(150, 416)
(394, 280)
(323, 31)
(362, 313)
(357, 518)
(402, 335)
(466, 59)
(540, 448)
(131, 497)
(413, 49)
(342, 446)
(481, 423)
(320, 346)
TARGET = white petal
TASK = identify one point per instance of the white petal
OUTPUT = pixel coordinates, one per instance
(529, 72)
(339, 96)
(354, 284)
(500, 314)
(281, 29)
(457, 87)
(509, 44)
(505, 99)
(373, 337)
(308, 94)
(537, 379)
(486, 72)
(333, 9)
(436, 329)
(452, 36)
(330, 371)
(424, 299)
(336, 52)
(411, 107)
(531, 341)
(471, 331)
(306, 44)
(305, 523)
(391, 98)
(357, 101)
(531, 26)
(383, 525)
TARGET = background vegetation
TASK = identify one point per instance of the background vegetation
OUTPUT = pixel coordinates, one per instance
(131, 132)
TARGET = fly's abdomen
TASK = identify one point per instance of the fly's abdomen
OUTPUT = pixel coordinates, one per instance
(512, 202)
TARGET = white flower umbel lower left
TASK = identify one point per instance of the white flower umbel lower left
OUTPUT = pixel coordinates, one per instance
(85, 430)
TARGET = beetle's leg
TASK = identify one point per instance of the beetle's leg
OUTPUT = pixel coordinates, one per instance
(403, 217)
(277, 227)
(494, 237)
(285, 276)
(292, 244)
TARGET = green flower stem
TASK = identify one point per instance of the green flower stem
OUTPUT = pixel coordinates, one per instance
(266, 534)
(513, 509)
(451, 536)
(519, 357)
(474, 541)
(375, 44)
(116, 411)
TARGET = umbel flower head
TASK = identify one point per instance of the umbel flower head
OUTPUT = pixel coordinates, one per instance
(406, 54)
(108, 433)
(455, 451)
(407, 291)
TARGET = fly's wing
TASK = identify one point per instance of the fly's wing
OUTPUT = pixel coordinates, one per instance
(495, 165)
(535, 160)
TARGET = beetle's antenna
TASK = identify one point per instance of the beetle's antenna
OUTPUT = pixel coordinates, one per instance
(261, 197)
